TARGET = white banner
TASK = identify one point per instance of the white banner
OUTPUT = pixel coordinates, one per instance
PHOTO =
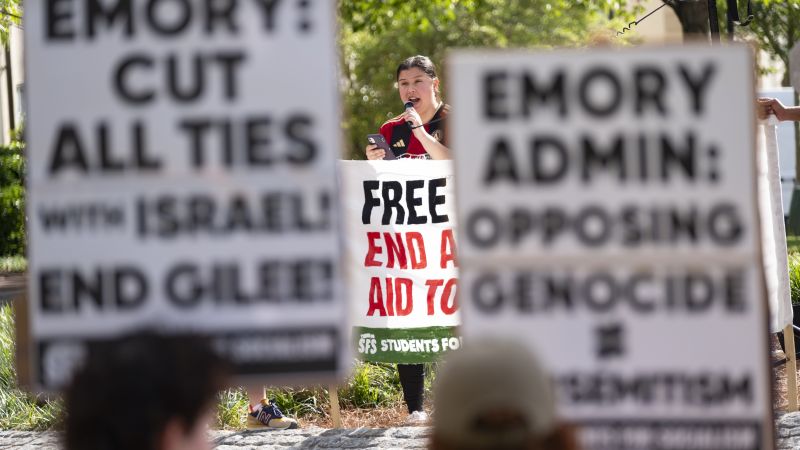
(181, 176)
(401, 255)
(607, 209)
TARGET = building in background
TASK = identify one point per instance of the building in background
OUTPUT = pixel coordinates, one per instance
(659, 28)
(12, 86)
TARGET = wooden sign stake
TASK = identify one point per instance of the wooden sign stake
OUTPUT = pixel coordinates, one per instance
(335, 413)
(791, 367)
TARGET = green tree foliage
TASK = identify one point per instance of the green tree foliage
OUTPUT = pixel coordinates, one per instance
(775, 26)
(12, 199)
(377, 35)
(10, 15)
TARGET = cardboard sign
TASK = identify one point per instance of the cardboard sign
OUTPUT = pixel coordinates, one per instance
(401, 247)
(607, 210)
(181, 176)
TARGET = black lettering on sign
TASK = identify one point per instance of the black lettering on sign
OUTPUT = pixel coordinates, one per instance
(94, 152)
(643, 293)
(391, 200)
(256, 141)
(494, 96)
(64, 291)
(140, 78)
(679, 390)
(190, 285)
(533, 93)
(599, 91)
(57, 19)
(62, 217)
(164, 18)
(173, 216)
(97, 10)
(621, 157)
(631, 226)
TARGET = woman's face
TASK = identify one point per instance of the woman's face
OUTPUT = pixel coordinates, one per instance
(417, 87)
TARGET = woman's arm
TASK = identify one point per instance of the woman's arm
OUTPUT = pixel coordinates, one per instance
(436, 149)
(767, 106)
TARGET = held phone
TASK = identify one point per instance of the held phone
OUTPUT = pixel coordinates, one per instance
(380, 141)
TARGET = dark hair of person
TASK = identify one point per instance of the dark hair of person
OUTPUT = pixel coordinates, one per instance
(422, 63)
(130, 388)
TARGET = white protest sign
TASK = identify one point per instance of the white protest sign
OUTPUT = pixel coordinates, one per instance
(794, 66)
(607, 214)
(401, 257)
(181, 175)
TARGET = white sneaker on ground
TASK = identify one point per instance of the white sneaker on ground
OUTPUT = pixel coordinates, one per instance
(417, 418)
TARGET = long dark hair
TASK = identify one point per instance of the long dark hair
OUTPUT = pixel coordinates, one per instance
(422, 63)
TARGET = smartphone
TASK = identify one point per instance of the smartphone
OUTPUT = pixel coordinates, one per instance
(380, 141)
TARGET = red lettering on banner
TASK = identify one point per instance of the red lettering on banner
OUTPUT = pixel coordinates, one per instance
(395, 247)
(448, 248)
(451, 287)
(447, 306)
(372, 250)
(433, 285)
(389, 297)
(419, 260)
(375, 297)
(404, 309)
(399, 250)
(399, 300)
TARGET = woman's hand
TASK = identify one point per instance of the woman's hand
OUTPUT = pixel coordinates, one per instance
(411, 116)
(767, 106)
(374, 152)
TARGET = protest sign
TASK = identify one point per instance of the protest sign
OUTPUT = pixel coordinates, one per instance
(607, 214)
(401, 258)
(181, 176)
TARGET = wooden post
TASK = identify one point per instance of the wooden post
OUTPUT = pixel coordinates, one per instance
(791, 367)
(23, 342)
(335, 413)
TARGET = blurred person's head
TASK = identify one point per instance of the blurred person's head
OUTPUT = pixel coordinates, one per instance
(144, 392)
(494, 394)
(417, 83)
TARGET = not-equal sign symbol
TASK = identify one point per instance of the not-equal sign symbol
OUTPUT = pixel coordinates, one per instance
(305, 11)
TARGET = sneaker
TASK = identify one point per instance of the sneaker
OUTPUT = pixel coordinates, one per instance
(417, 418)
(267, 415)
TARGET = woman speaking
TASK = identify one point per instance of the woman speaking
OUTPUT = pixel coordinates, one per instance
(419, 132)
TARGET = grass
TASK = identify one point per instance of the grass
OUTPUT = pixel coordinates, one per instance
(794, 277)
(793, 244)
(13, 264)
(231, 409)
(371, 386)
(20, 410)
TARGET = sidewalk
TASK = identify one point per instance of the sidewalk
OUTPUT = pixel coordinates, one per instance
(12, 285)
(787, 432)
(306, 438)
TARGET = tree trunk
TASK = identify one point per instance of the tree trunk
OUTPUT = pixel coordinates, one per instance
(693, 15)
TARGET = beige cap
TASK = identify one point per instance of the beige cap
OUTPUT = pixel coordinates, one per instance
(492, 393)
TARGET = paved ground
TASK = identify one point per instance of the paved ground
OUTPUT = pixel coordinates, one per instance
(307, 438)
(11, 285)
(788, 432)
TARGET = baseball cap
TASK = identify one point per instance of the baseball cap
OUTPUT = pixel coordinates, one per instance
(492, 393)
